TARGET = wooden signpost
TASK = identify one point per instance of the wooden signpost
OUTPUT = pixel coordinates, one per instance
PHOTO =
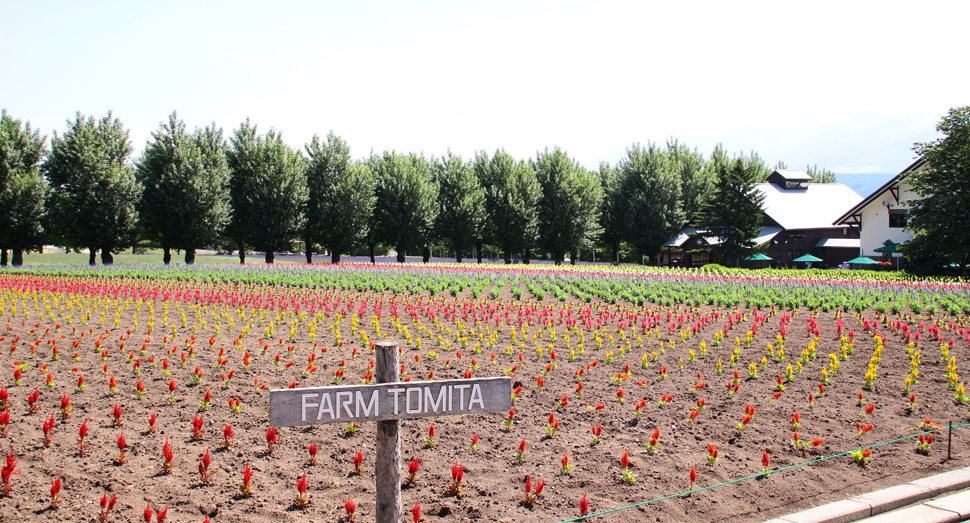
(387, 402)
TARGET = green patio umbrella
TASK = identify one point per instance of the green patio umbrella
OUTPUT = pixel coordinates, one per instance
(891, 248)
(862, 260)
(807, 258)
(758, 257)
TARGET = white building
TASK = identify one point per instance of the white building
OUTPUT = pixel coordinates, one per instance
(881, 216)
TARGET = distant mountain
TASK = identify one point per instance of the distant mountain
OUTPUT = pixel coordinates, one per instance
(864, 183)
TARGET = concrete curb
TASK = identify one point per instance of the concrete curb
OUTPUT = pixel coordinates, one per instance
(949, 508)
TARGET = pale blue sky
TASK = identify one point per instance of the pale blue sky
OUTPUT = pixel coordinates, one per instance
(846, 85)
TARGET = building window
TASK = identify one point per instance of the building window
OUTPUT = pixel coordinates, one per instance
(897, 218)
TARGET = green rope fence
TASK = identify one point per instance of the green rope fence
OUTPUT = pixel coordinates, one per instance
(950, 427)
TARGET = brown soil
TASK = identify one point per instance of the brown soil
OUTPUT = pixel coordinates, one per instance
(493, 480)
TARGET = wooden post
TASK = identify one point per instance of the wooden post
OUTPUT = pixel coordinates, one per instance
(388, 469)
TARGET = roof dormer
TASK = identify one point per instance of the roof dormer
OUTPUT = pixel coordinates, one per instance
(789, 179)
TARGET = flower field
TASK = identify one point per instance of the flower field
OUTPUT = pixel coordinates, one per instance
(129, 388)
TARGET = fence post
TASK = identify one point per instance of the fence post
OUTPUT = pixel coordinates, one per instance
(387, 368)
(949, 439)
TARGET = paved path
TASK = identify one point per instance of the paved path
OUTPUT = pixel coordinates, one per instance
(935, 499)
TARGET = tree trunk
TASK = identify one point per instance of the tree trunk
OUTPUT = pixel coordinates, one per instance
(572, 259)
(478, 250)
(242, 253)
(309, 253)
(616, 253)
(457, 254)
(426, 254)
(18, 257)
(508, 257)
(270, 256)
(167, 257)
(401, 254)
(189, 256)
(370, 249)
(92, 256)
(3, 257)
(106, 257)
(334, 256)
(526, 256)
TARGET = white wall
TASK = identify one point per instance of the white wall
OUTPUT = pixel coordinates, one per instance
(875, 221)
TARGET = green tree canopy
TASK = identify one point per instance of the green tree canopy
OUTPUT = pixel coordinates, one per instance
(734, 212)
(185, 204)
(406, 202)
(267, 189)
(650, 179)
(569, 206)
(821, 174)
(94, 183)
(461, 204)
(939, 219)
(512, 194)
(613, 216)
(22, 189)
(341, 197)
(696, 177)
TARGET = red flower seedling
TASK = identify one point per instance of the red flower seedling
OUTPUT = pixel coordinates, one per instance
(664, 400)
(168, 455)
(520, 452)
(457, 475)
(743, 423)
(227, 435)
(82, 431)
(861, 456)
(861, 429)
(923, 445)
(302, 499)
(55, 492)
(246, 487)
(583, 507)
(912, 401)
(795, 419)
(566, 466)
(638, 409)
(654, 444)
(32, 404)
(271, 440)
(121, 458)
(197, 423)
(620, 396)
(553, 426)
(530, 496)
(628, 476)
(235, 406)
(80, 382)
(205, 475)
(413, 467)
(359, 462)
(107, 505)
(151, 423)
(474, 446)
(313, 454)
(817, 442)
(161, 515)
(562, 402)
(206, 401)
(416, 512)
(765, 460)
(139, 389)
(148, 513)
(47, 427)
(597, 430)
(116, 413)
(510, 420)
(867, 411)
(351, 508)
(429, 441)
(172, 387)
(4, 421)
(66, 407)
(711, 454)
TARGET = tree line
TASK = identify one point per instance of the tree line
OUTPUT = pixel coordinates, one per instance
(195, 189)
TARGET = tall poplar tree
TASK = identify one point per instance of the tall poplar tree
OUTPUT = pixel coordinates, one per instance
(94, 184)
(23, 190)
(406, 202)
(512, 194)
(461, 204)
(652, 185)
(268, 191)
(185, 204)
(341, 197)
(569, 205)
